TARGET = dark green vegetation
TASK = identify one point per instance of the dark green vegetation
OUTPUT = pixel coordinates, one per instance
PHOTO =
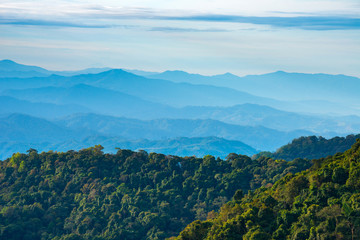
(127, 195)
(320, 203)
(312, 147)
(179, 146)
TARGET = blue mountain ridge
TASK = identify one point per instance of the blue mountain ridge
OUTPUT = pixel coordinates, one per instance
(116, 106)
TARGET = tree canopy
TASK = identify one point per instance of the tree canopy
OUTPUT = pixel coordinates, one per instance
(320, 203)
(87, 194)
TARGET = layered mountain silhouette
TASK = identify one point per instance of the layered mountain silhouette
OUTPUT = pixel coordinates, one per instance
(316, 93)
(100, 100)
(21, 132)
(12, 69)
(172, 108)
(283, 85)
(10, 105)
(257, 136)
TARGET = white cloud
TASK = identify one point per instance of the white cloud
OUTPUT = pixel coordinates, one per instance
(238, 7)
(196, 46)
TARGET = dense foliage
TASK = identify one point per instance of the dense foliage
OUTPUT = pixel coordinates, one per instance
(127, 195)
(320, 203)
(312, 147)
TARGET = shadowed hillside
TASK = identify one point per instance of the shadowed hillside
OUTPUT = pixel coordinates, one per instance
(320, 203)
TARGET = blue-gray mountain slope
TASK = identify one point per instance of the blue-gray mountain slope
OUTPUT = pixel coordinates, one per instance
(316, 93)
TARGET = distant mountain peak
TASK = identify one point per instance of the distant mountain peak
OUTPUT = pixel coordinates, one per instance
(9, 65)
(7, 61)
(226, 75)
(179, 73)
(115, 72)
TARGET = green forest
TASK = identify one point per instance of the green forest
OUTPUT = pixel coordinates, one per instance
(87, 194)
(312, 147)
(320, 203)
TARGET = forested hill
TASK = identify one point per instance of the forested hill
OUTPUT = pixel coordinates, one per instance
(312, 147)
(127, 195)
(320, 203)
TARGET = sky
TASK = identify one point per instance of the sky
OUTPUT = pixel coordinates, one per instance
(202, 36)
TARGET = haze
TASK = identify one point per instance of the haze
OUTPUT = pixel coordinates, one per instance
(209, 37)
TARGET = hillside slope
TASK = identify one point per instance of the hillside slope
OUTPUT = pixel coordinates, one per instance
(97, 99)
(256, 136)
(313, 147)
(11, 69)
(10, 105)
(320, 203)
(290, 86)
(315, 93)
(20, 127)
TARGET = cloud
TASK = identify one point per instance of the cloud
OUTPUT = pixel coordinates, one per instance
(177, 29)
(306, 22)
(98, 16)
(34, 22)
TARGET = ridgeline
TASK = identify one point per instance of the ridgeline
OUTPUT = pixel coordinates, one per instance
(320, 203)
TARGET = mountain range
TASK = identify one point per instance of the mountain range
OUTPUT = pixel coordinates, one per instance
(173, 128)
(83, 130)
(316, 93)
(174, 108)
(123, 94)
(11, 69)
